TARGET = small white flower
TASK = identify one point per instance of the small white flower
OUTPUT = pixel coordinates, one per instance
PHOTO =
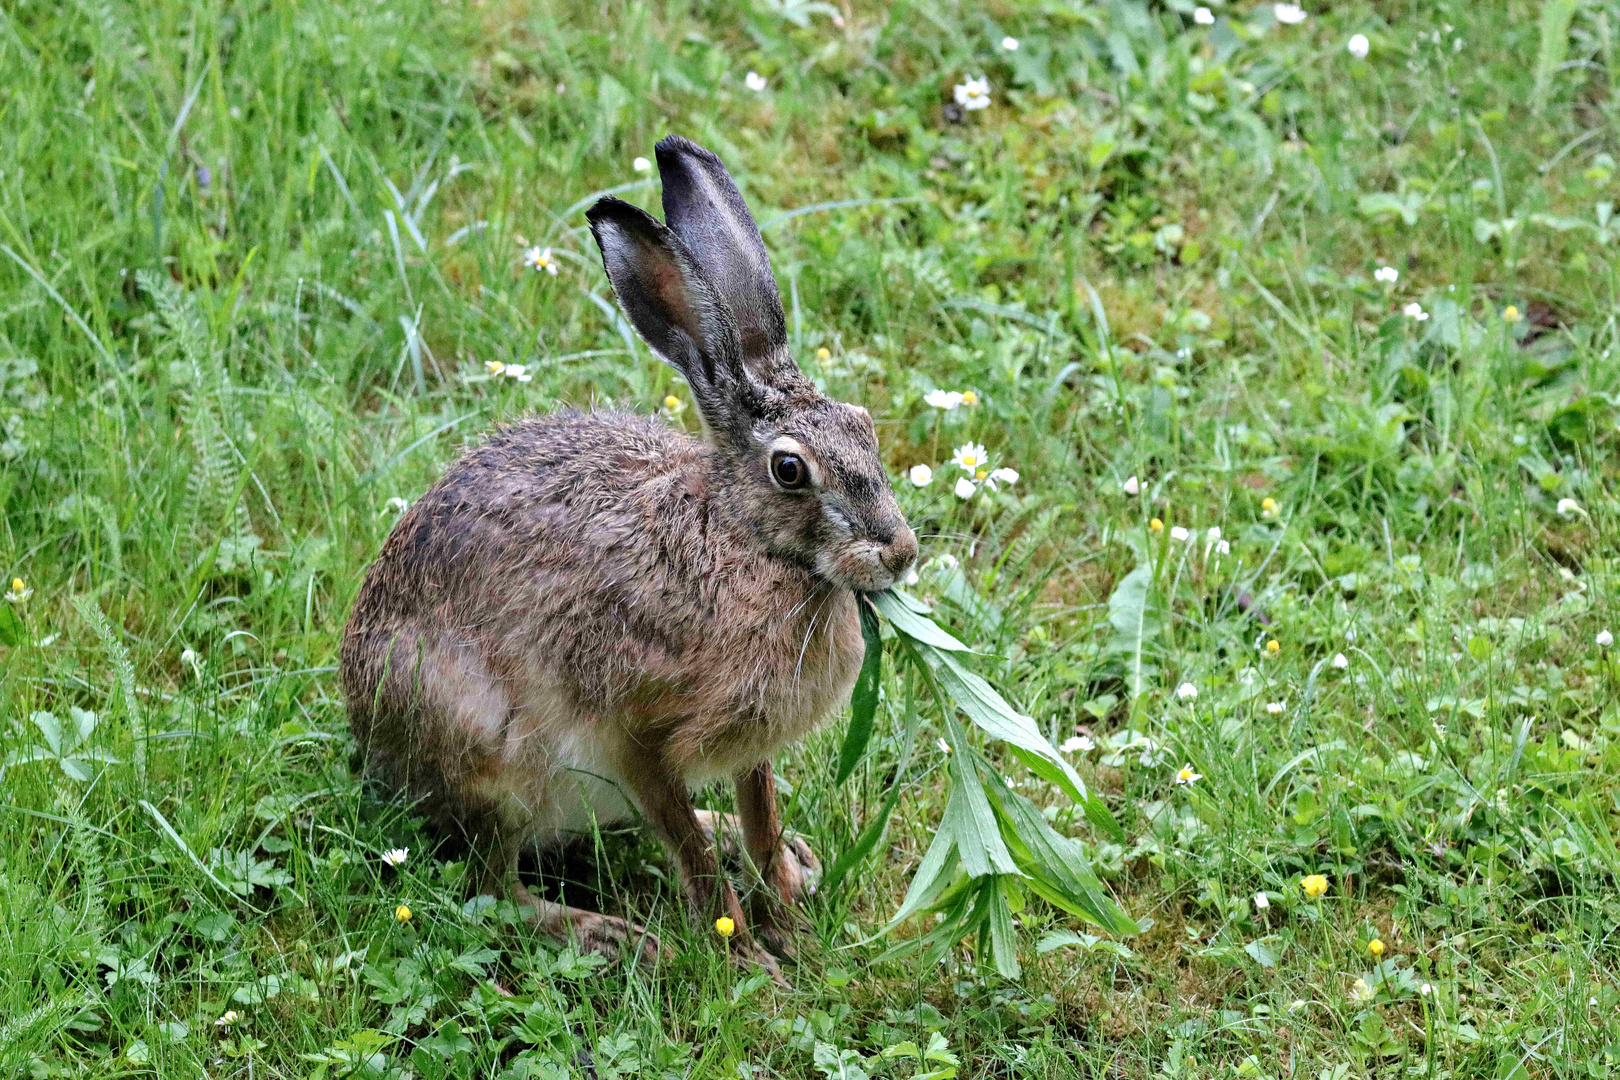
(973, 94)
(1567, 507)
(944, 746)
(1275, 708)
(964, 488)
(943, 399)
(228, 1019)
(970, 456)
(1341, 661)
(1001, 476)
(1387, 274)
(1187, 691)
(920, 475)
(754, 81)
(641, 164)
(1289, 14)
(1358, 45)
(1415, 311)
(516, 371)
(1604, 639)
(541, 260)
(1425, 989)
(1178, 533)
(397, 505)
(1203, 16)
(1078, 744)
(1185, 774)
(1222, 547)
(1360, 991)
(1010, 44)
(396, 856)
(1213, 533)
(1133, 486)
(1262, 901)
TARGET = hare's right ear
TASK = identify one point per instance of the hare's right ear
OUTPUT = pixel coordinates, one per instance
(676, 309)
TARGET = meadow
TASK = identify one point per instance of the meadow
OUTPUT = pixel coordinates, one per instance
(1296, 324)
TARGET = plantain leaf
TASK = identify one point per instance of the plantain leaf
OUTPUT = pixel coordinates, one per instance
(908, 622)
(863, 703)
(1135, 621)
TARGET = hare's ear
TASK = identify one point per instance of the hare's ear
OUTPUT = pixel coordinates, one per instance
(704, 208)
(676, 309)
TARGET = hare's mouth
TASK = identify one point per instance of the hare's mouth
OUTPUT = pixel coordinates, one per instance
(866, 565)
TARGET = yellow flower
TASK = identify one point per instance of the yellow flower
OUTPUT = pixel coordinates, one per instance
(674, 404)
(1510, 314)
(724, 926)
(19, 591)
(1268, 504)
(1273, 647)
(969, 398)
(402, 913)
(1314, 885)
(823, 353)
(494, 367)
(1376, 948)
(1156, 525)
(981, 474)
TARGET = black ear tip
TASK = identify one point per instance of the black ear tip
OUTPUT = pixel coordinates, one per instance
(616, 211)
(671, 147)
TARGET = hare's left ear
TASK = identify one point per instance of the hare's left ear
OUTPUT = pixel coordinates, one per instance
(704, 208)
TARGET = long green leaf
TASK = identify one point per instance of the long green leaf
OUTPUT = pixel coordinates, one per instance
(863, 703)
(912, 625)
(969, 816)
(1056, 865)
(1003, 941)
(1131, 614)
(872, 835)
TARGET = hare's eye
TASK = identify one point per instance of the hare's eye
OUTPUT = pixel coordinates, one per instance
(789, 470)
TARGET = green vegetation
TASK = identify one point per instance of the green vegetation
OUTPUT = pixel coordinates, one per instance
(260, 266)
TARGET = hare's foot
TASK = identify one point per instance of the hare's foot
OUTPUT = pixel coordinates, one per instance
(794, 872)
(590, 932)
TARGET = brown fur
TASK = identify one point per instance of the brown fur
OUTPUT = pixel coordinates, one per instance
(591, 613)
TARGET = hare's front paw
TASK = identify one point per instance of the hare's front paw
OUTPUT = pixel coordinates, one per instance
(745, 953)
(614, 938)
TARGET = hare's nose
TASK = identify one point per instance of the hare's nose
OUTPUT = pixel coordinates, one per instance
(900, 550)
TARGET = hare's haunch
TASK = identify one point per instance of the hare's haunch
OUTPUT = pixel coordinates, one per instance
(591, 614)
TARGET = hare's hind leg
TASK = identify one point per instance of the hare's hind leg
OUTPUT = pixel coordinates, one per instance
(605, 935)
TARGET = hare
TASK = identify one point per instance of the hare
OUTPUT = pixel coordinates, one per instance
(591, 614)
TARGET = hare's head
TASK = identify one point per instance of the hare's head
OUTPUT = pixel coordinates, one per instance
(700, 291)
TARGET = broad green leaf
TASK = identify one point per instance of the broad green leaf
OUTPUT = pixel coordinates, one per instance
(990, 713)
(1552, 48)
(973, 823)
(1059, 939)
(1136, 623)
(912, 625)
(863, 702)
(934, 875)
(1003, 941)
(1056, 866)
(50, 727)
(13, 631)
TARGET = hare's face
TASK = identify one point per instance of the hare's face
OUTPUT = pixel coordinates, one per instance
(820, 497)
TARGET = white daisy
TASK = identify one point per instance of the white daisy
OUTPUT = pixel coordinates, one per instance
(1078, 744)
(1187, 691)
(1000, 476)
(1604, 639)
(754, 81)
(1566, 507)
(1185, 774)
(970, 456)
(1415, 311)
(1288, 14)
(1275, 708)
(1133, 486)
(1010, 44)
(973, 94)
(964, 488)
(641, 164)
(1178, 533)
(541, 260)
(1203, 16)
(1359, 45)
(1387, 274)
(920, 475)
(396, 856)
(1341, 661)
(943, 399)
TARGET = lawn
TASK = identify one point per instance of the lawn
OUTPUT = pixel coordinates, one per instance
(1297, 327)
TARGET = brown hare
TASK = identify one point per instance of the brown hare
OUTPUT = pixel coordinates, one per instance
(590, 614)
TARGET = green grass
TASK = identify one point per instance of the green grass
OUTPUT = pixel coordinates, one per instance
(1152, 256)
